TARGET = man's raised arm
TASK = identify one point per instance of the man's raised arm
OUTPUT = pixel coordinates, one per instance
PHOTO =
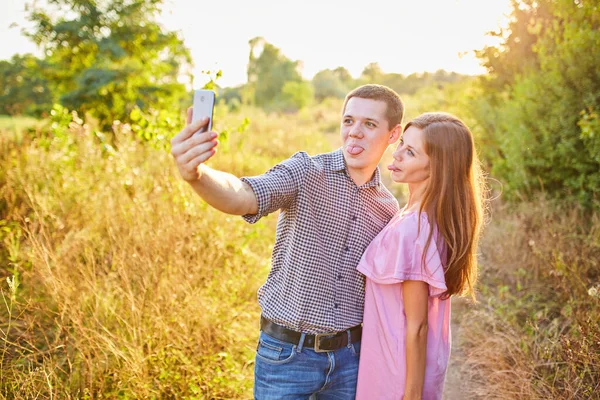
(221, 190)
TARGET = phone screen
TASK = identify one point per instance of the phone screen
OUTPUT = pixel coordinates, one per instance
(204, 104)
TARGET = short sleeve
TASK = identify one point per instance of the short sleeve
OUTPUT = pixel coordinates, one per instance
(277, 188)
(396, 255)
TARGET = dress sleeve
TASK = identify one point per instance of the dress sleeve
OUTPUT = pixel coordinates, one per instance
(396, 255)
(277, 188)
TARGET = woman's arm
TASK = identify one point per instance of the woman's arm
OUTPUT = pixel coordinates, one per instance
(416, 297)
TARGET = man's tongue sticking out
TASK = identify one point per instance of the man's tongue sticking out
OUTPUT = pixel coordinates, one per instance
(354, 150)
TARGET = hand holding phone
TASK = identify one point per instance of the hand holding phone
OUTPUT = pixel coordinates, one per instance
(203, 106)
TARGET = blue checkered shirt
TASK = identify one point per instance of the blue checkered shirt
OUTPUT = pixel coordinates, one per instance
(325, 224)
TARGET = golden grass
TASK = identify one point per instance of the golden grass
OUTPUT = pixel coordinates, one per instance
(126, 285)
(535, 332)
(131, 287)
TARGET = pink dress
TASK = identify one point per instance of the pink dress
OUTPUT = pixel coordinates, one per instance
(392, 257)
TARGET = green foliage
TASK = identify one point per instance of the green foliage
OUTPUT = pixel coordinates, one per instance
(274, 81)
(544, 122)
(590, 132)
(332, 83)
(372, 73)
(296, 95)
(107, 58)
(406, 85)
(23, 88)
(212, 82)
(154, 127)
(516, 54)
(343, 75)
(232, 96)
(268, 72)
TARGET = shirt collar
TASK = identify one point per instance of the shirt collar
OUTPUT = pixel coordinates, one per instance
(375, 180)
(337, 163)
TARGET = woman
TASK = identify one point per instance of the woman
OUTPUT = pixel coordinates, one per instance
(423, 256)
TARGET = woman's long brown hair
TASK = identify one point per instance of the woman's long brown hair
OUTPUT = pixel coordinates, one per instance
(453, 198)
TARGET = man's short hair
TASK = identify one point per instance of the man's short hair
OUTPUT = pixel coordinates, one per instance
(395, 107)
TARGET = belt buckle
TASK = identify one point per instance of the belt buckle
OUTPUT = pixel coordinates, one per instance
(318, 337)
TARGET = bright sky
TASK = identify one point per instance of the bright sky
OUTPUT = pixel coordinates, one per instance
(403, 36)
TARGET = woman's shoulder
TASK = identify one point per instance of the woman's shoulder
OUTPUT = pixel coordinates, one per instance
(409, 225)
(414, 217)
(397, 254)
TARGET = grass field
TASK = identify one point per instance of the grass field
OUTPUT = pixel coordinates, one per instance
(118, 282)
(125, 284)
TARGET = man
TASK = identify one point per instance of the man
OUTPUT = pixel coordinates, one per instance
(332, 205)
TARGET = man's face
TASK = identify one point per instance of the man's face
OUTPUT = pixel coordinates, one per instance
(365, 133)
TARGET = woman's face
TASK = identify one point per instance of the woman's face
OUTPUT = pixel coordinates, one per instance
(411, 163)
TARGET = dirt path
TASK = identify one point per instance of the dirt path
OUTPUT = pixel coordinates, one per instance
(456, 379)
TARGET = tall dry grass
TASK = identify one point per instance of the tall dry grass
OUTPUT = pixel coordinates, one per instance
(535, 333)
(117, 280)
(122, 283)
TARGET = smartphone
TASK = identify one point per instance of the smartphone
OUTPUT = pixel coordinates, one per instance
(204, 105)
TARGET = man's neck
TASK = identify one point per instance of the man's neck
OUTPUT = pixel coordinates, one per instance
(361, 176)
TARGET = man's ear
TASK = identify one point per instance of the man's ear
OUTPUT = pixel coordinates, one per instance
(395, 134)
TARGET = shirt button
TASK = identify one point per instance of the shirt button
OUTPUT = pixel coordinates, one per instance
(340, 277)
(336, 305)
(347, 248)
(354, 218)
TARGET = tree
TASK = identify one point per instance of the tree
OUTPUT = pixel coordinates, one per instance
(529, 20)
(23, 89)
(545, 117)
(296, 95)
(328, 83)
(344, 76)
(268, 71)
(372, 73)
(106, 58)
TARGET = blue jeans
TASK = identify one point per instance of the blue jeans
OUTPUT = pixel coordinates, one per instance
(291, 371)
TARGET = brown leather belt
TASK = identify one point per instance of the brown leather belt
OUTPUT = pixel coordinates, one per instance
(321, 342)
